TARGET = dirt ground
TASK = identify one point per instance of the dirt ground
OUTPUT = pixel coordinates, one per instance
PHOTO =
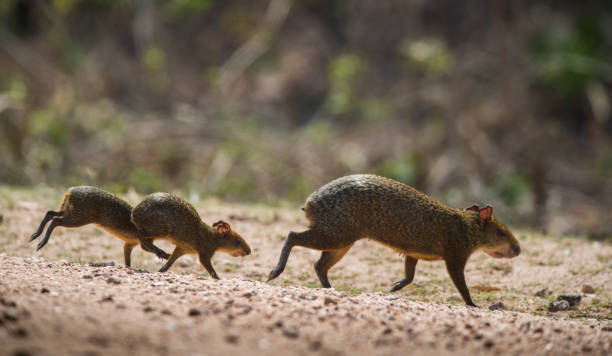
(55, 302)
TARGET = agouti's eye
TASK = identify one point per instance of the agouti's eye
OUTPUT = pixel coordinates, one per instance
(237, 242)
(501, 232)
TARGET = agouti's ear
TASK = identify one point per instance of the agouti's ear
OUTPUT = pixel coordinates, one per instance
(486, 213)
(222, 227)
(474, 208)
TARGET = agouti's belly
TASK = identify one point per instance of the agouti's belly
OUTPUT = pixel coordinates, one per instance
(413, 252)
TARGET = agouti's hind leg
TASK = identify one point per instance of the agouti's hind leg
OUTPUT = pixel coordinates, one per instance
(327, 260)
(178, 252)
(282, 261)
(147, 245)
(409, 267)
(127, 252)
(48, 216)
(311, 239)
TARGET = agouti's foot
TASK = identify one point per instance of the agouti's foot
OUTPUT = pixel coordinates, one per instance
(399, 285)
(34, 236)
(275, 273)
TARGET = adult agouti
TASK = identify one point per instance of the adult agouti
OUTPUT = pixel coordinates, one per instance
(90, 205)
(368, 206)
(168, 217)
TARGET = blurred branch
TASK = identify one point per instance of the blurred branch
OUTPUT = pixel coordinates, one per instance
(243, 57)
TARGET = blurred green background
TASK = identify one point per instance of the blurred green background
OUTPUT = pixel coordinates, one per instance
(499, 102)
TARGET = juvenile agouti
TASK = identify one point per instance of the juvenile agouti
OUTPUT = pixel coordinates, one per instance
(90, 205)
(368, 206)
(166, 216)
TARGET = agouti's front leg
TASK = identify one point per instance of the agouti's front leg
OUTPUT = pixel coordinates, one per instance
(127, 252)
(205, 261)
(409, 267)
(455, 267)
(178, 252)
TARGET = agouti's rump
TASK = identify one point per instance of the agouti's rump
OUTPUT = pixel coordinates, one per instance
(368, 206)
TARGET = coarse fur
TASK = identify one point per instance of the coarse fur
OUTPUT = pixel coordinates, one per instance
(392, 213)
(169, 217)
(90, 205)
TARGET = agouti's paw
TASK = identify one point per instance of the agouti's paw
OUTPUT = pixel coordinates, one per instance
(275, 273)
(399, 285)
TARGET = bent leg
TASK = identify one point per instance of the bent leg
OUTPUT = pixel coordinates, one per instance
(147, 245)
(282, 261)
(409, 267)
(327, 260)
(178, 252)
(48, 216)
(455, 270)
(311, 239)
(55, 222)
(127, 252)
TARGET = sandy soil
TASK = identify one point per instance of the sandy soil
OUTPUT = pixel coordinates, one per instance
(54, 302)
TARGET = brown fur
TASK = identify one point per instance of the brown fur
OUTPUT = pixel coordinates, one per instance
(166, 216)
(394, 214)
(90, 205)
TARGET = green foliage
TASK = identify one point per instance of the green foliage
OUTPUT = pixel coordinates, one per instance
(345, 73)
(48, 126)
(512, 188)
(428, 55)
(17, 89)
(403, 168)
(146, 181)
(154, 58)
(183, 8)
(568, 55)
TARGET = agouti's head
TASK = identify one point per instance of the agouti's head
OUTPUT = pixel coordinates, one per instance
(230, 242)
(498, 241)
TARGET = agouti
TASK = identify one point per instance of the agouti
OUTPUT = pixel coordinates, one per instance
(90, 205)
(166, 216)
(392, 213)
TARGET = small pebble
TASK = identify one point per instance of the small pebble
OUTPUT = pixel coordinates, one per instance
(291, 333)
(558, 305)
(231, 338)
(194, 312)
(147, 309)
(571, 299)
(588, 289)
(107, 298)
(542, 293)
(330, 300)
(44, 290)
(497, 306)
(113, 280)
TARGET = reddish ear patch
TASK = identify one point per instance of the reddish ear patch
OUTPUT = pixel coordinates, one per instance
(486, 213)
(222, 227)
(474, 208)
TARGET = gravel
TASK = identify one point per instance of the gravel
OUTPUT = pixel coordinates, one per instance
(192, 314)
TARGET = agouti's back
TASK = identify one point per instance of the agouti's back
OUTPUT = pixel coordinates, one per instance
(163, 214)
(383, 209)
